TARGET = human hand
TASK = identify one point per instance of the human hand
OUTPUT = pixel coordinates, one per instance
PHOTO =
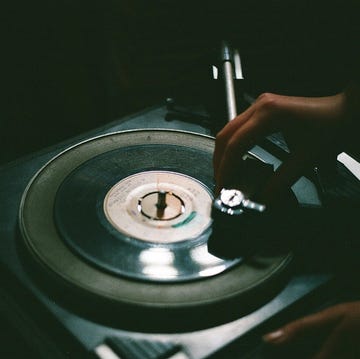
(336, 329)
(310, 124)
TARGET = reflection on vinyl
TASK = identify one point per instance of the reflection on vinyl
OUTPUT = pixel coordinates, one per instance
(125, 218)
(159, 219)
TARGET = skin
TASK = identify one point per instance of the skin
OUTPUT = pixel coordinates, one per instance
(338, 327)
(315, 129)
(311, 126)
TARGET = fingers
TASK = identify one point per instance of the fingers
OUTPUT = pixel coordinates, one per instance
(285, 176)
(343, 341)
(307, 327)
(226, 133)
(242, 133)
(330, 334)
(269, 113)
(242, 141)
(235, 140)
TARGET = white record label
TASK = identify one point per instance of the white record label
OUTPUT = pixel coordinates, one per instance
(159, 207)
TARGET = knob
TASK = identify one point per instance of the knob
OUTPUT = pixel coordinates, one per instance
(234, 217)
(234, 202)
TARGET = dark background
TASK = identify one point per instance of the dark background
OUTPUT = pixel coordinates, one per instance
(69, 66)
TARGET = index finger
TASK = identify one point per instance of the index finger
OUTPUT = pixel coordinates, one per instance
(226, 133)
(237, 145)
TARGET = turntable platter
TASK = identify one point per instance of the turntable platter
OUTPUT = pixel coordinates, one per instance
(124, 219)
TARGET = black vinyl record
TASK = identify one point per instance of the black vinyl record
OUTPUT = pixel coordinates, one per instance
(133, 256)
(144, 253)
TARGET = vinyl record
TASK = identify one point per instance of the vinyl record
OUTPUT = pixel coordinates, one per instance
(106, 211)
(92, 219)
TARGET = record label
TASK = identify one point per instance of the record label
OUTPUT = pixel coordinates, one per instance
(159, 207)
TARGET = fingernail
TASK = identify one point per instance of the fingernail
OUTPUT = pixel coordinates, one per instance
(273, 336)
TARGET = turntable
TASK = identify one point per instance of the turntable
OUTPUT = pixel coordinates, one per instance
(131, 212)
(107, 256)
(105, 248)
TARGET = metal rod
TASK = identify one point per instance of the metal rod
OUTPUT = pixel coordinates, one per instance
(229, 82)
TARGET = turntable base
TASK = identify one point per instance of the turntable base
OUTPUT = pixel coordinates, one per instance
(146, 264)
(47, 299)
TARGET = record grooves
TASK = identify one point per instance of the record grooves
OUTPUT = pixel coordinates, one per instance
(81, 221)
(67, 231)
